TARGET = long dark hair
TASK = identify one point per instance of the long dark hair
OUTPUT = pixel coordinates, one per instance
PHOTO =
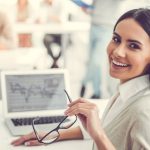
(142, 17)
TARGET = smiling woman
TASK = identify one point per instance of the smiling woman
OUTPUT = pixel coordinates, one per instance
(128, 52)
(139, 44)
(126, 121)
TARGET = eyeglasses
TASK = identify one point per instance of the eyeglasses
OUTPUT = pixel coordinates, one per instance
(54, 134)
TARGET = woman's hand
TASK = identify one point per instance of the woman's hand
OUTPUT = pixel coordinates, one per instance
(27, 140)
(88, 114)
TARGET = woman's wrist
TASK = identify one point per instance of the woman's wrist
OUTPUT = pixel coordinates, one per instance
(72, 133)
(102, 141)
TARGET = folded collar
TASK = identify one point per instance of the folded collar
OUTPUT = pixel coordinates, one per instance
(132, 87)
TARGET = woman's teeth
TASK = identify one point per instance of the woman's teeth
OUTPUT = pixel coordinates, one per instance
(119, 64)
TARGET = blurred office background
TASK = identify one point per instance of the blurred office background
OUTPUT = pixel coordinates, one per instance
(68, 49)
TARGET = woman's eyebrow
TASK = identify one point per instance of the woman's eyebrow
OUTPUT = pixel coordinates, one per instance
(135, 41)
(129, 40)
(116, 34)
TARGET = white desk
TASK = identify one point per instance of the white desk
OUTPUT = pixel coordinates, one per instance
(6, 138)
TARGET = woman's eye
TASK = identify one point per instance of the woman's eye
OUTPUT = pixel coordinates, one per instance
(116, 39)
(134, 46)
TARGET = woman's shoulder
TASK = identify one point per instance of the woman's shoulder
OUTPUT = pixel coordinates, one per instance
(143, 100)
(141, 107)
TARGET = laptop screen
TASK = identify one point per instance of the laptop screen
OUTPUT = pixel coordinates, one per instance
(34, 92)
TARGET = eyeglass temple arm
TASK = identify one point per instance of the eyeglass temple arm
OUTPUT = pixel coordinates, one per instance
(70, 100)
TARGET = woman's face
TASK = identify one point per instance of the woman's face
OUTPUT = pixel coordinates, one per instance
(128, 51)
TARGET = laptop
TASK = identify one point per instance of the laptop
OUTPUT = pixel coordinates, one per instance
(30, 94)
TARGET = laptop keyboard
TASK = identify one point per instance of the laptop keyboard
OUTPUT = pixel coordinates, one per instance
(43, 120)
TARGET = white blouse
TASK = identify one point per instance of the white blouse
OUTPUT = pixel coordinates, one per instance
(127, 92)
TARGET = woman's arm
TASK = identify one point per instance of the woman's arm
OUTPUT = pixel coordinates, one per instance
(30, 139)
(102, 142)
(89, 116)
(72, 133)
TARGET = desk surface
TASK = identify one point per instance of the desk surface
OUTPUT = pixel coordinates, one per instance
(6, 138)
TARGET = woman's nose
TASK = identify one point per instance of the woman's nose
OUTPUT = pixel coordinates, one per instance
(119, 52)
